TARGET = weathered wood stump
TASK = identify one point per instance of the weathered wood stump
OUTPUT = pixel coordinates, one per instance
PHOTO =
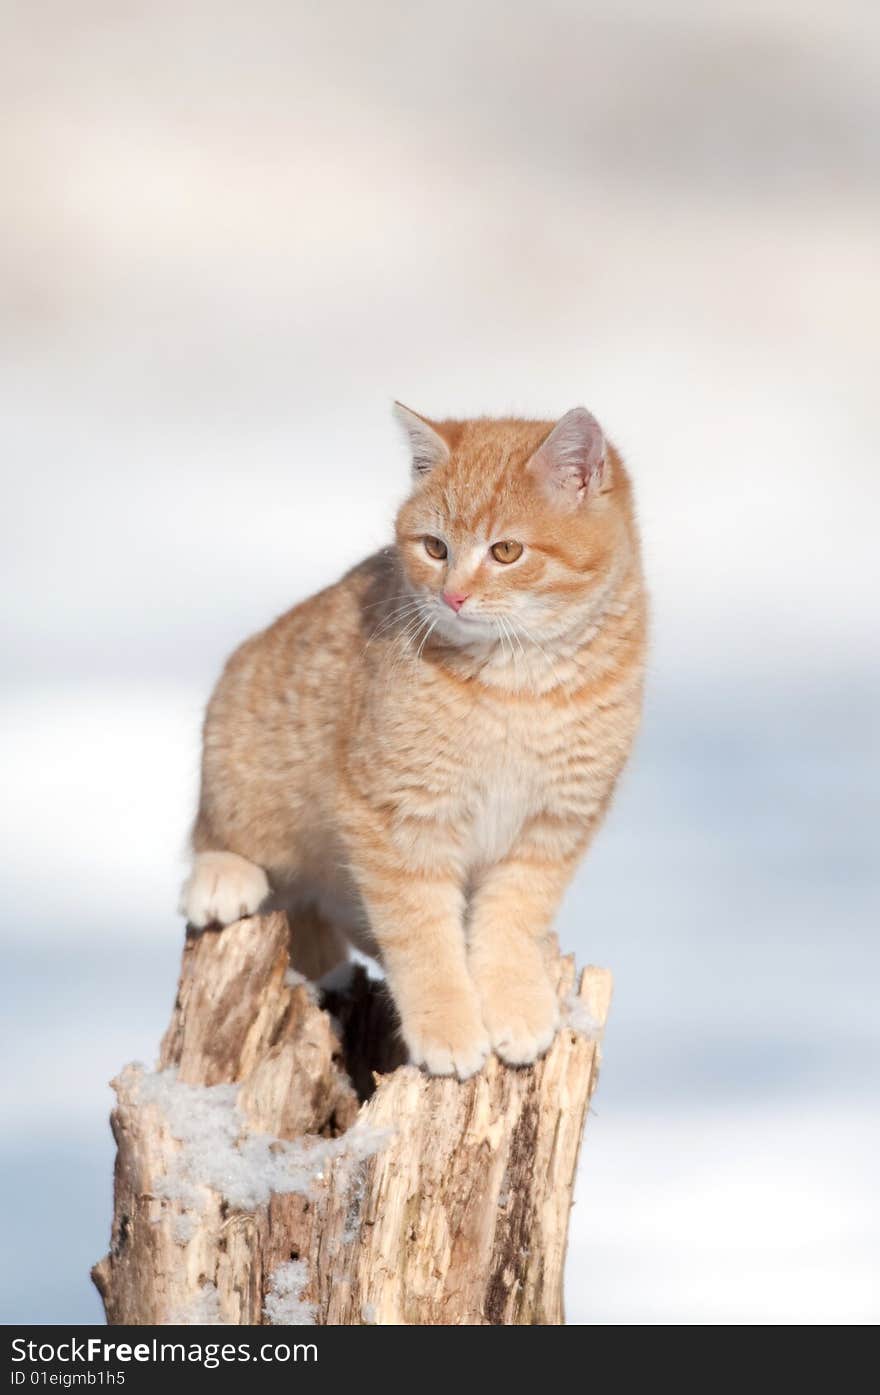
(282, 1165)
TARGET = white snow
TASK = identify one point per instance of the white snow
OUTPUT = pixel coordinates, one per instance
(204, 1309)
(294, 979)
(184, 1226)
(219, 1151)
(284, 1305)
(578, 1017)
(356, 1191)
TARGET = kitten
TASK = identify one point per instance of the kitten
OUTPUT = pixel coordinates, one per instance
(421, 753)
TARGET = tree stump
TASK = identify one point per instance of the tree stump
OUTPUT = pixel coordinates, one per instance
(283, 1165)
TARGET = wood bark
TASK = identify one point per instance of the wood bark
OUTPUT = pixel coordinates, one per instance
(430, 1201)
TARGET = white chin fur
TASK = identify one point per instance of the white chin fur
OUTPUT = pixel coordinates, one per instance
(463, 630)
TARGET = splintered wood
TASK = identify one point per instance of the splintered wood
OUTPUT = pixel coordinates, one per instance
(295, 1198)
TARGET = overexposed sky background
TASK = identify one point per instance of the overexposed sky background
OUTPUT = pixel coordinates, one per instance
(232, 235)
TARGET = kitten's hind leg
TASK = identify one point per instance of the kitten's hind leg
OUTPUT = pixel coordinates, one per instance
(222, 887)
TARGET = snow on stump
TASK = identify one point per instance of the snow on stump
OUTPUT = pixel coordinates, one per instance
(281, 1165)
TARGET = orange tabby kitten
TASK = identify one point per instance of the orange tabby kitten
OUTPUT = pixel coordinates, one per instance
(422, 752)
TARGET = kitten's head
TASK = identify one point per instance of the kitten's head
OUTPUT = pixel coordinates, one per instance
(516, 526)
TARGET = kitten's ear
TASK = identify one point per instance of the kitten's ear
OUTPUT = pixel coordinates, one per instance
(573, 461)
(428, 447)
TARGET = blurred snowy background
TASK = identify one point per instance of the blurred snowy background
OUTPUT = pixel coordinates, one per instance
(231, 235)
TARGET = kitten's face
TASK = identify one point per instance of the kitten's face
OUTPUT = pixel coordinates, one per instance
(513, 527)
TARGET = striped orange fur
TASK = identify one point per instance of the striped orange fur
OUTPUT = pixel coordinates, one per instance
(425, 773)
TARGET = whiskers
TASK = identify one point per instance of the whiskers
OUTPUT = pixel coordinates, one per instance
(411, 608)
(405, 630)
(426, 637)
(512, 633)
(507, 637)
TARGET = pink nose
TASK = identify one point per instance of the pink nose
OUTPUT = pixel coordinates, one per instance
(454, 600)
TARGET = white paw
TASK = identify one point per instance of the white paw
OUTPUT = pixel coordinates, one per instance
(519, 1045)
(463, 1059)
(522, 1015)
(222, 887)
(450, 1042)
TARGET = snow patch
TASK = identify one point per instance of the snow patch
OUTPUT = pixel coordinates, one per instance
(284, 1306)
(184, 1226)
(357, 1186)
(578, 1017)
(203, 1309)
(219, 1151)
(294, 979)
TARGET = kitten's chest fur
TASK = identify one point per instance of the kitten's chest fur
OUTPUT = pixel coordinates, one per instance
(498, 809)
(508, 782)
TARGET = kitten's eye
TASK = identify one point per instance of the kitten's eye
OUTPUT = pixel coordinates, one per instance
(506, 551)
(435, 548)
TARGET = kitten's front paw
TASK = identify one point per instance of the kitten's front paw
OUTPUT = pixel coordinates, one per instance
(222, 887)
(447, 1038)
(521, 1014)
